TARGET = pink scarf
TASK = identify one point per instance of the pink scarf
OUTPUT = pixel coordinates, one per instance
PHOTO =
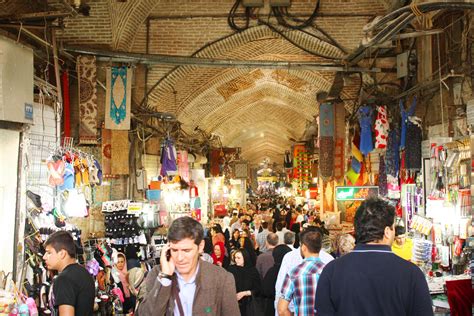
(123, 276)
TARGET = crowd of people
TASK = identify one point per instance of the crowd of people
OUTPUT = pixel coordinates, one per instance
(273, 257)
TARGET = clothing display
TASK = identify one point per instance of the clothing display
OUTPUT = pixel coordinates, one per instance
(381, 127)
(365, 120)
(405, 114)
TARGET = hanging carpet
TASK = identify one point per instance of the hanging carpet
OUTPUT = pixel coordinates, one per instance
(117, 103)
(87, 76)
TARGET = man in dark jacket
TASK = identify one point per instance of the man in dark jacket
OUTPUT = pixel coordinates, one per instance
(185, 285)
(372, 280)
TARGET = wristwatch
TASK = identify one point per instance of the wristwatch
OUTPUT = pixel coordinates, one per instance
(163, 275)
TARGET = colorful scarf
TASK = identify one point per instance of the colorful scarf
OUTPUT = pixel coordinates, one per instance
(123, 275)
(220, 259)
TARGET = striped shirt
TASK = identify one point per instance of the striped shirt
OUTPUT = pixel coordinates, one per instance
(300, 283)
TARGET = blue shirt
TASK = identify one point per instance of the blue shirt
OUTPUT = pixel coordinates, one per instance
(187, 291)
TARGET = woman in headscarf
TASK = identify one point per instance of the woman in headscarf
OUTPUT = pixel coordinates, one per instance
(121, 269)
(247, 282)
(217, 234)
(234, 242)
(247, 244)
(218, 256)
(270, 278)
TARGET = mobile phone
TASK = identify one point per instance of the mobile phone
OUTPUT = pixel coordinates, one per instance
(168, 255)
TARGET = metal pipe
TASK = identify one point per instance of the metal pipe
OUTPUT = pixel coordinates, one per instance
(152, 59)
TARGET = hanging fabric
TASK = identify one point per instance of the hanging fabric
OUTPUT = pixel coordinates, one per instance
(381, 128)
(405, 115)
(288, 162)
(392, 156)
(168, 159)
(183, 165)
(326, 139)
(365, 120)
(413, 147)
(87, 81)
(118, 98)
(340, 134)
(382, 177)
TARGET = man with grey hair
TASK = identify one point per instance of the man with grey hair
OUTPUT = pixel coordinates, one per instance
(289, 239)
(265, 260)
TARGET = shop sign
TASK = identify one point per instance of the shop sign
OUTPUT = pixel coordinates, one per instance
(135, 208)
(114, 206)
(356, 193)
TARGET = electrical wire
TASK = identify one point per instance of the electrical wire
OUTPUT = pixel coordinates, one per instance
(232, 15)
(282, 12)
(281, 33)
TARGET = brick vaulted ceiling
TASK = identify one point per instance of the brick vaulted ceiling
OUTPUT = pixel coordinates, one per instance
(259, 110)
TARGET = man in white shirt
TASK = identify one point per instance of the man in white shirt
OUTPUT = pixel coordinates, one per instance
(281, 230)
(291, 260)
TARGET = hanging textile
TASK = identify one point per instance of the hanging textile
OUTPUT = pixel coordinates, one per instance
(183, 166)
(381, 128)
(66, 104)
(392, 156)
(365, 120)
(118, 96)
(326, 139)
(340, 134)
(382, 177)
(106, 151)
(87, 72)
(405, 114)
(357, 159)
(120, 148)
(413, 147)
(287, 162)
(168, 159)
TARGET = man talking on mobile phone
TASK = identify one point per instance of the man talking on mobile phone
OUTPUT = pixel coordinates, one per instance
(183, 285)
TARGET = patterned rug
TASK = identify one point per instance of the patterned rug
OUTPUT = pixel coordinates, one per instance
(118, 96)
(326, 157)
(340, 134)
(120, 149)
(87, 72)
(326, 119)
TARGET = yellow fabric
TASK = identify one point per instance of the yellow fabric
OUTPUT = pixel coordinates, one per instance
(356, 153)
(404, 251)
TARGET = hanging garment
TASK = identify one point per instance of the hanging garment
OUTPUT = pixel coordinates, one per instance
(382, 177)
(288, 162)
(365, 121)
(381, 127)
(392, 156)
(183, 165)
(413, 147)
(168, 158)
(393, 187)
(68, 177)
(56, 172)
(339, 145)
(405, 115)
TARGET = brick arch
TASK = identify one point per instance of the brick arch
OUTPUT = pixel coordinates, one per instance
(252, 44)
(126, 17)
